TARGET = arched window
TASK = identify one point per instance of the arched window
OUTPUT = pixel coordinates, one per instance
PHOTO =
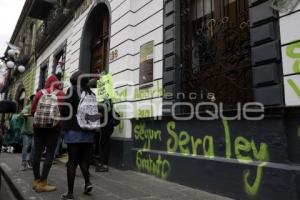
(95, 41)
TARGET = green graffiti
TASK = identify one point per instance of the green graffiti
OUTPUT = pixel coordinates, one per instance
(156, 91)
(292, 53)
(262, 154)
(184, 139)
(294, 87)
(139, 94)
(252, 190)
(184, 143)
(208, 146)
(245, 146)
(172, 143)
(166, 169)
(242, 145)
(296, 66)
(227, 138)
(195, 145)
(146, 135)
(159, 167)
(145, 113)
(290, 50)
(180, 141)
(121, 95)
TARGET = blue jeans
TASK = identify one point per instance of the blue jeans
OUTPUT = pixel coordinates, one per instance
(27, 142)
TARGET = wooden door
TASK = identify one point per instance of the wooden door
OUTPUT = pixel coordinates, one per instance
(99, 57)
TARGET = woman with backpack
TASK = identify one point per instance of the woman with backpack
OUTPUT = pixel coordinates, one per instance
(79, 136)
(45, 109)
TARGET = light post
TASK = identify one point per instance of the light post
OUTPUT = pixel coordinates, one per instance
(9, 62)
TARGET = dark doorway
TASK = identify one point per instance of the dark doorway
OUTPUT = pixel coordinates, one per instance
(43, 76)
(58, 68)
(95, 41)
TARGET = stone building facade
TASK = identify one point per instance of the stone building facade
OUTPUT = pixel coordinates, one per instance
(165, 52)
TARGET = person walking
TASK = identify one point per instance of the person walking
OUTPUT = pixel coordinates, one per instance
(79, 140)
(27, 136)
(16, 124)
(105, 134)
(45, 108)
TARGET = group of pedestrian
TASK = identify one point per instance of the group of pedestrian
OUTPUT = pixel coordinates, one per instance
(77, 117)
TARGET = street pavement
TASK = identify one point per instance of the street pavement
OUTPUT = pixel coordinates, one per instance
(5, 192)
(112, 185)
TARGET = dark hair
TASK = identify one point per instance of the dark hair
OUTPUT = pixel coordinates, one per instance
(32, 97)
(93, 83)
(84, 84)
(74, 77)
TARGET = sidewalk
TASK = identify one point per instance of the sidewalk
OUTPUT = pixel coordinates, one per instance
(5, 192)
(114, 185)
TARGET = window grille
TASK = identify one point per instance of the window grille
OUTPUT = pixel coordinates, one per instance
(215, 51)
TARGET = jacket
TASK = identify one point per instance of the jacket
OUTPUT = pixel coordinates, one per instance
(72, 132)
(16, 122)
(27, 127)
(73, 100)
(51, 85)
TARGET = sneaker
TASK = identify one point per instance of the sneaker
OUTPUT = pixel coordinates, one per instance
(88, 188)
(29, 165)
(101, 168)
(67, 196)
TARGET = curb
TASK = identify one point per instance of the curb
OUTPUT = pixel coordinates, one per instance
(11, 185)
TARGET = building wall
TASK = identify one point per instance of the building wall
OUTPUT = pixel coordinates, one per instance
(242, 159)
(25, 80)
(290, 48)
(133, 23)
(236, 158)
(48, 54)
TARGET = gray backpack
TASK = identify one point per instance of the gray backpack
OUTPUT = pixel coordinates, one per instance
(87, 112)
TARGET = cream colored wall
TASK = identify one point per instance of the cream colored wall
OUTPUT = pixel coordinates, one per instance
(133, 23)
